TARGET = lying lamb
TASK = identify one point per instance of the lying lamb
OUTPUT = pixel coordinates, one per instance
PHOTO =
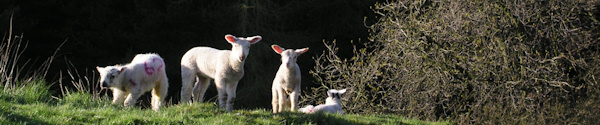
(128, 82)
(333, 103)
(307, 109)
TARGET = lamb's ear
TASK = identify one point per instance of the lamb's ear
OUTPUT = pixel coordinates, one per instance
(99, 68)
(300, 51)
(277, 49)
(230, 38)
(342, 91)
(255, 39)
(121, 69)
(330, 93)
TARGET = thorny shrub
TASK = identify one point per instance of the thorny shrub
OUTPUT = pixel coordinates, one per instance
(486, 61)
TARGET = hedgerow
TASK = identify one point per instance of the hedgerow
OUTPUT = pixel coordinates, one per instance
(485, 61)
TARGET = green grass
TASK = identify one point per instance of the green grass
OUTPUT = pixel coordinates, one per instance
(32, 104)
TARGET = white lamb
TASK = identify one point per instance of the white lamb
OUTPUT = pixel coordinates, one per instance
(128, 82)
(333, 103)
(307, 109)
(226, 67)
(287, 80)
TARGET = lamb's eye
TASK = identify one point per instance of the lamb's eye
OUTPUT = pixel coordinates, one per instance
(112, 76)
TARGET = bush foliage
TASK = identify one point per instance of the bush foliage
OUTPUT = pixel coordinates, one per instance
(109, 32)
(484, 61)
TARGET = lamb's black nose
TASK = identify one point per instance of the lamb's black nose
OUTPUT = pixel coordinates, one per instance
(104, 84)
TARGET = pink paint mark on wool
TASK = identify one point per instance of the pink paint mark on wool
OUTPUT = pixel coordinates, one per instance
(150, 70)
(157, 60)
(132, 82)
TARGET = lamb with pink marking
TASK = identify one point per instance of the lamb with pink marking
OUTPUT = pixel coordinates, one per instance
(128, 82)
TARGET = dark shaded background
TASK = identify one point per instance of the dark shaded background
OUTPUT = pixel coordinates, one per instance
(108, 32)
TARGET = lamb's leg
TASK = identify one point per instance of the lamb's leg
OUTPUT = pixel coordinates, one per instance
(187, 78)
(282, 98)
(159, 93)
(200, 88)
(118, 96)
(294, 99)
(231, 95)
(275, 100)
(221, 89)
(133, 96)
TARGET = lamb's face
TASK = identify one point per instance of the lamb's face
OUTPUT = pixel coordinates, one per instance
(241, 46)
(109, 76)
(289, 56)
(334, 96)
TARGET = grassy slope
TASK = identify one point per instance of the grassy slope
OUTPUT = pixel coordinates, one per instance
(25, 106)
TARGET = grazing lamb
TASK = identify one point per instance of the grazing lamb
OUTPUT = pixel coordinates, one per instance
(128, 82)
(287, 80)
(333, 103)
(226, 67)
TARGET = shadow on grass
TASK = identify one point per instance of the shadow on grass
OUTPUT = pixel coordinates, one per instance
(288, 117)
(15, 118)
